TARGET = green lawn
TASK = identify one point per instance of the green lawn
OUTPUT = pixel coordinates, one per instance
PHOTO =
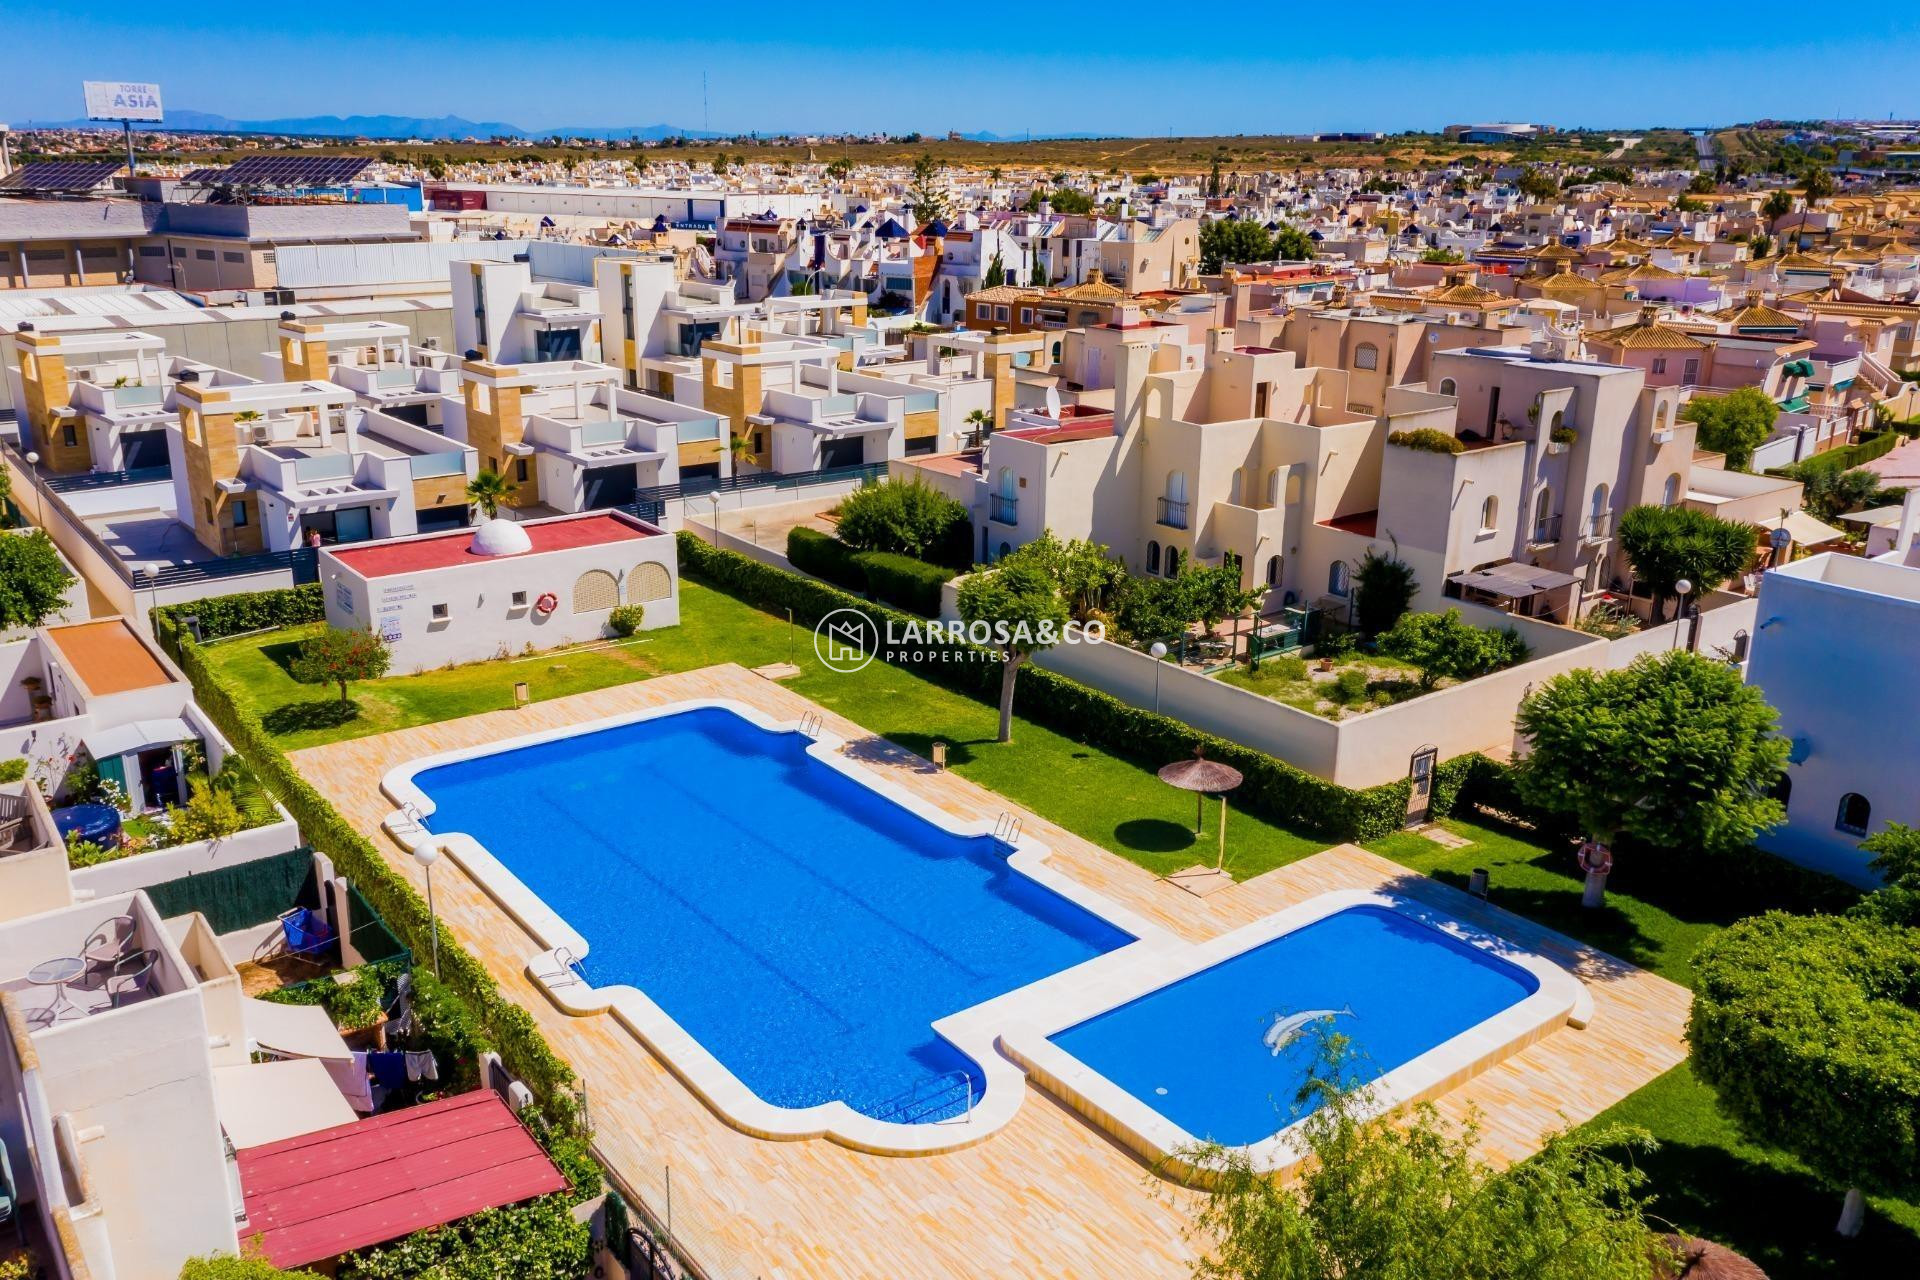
(1708, 1180)
(1114, 802)
(1300, 684)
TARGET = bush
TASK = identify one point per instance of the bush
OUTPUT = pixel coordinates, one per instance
(825, 556)
(510, 1028)
(626, 619)
(33, 579)
(1349, 687)
(907, 517)
(1427, 440)
(256, 610)
(228, 1267)
(1273, 788)
(353, 1002)
(1444, 645)
(912, 584)
(1287, 668)
(210, 814)
(14, 769)
(1383, 587)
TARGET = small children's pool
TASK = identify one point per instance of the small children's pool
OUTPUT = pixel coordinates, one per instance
(1197, 1051)
(806, 930)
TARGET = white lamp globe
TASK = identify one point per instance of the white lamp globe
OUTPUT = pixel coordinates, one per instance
(1158, 650)
(427, 853)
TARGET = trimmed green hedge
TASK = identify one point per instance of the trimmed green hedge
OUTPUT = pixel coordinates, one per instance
(511, 1028)
(1273, 788)
(255, 610)
(912, 584)
(1845, 458)
(825, 556)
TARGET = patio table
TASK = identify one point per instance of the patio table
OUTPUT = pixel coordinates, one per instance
(57, 973)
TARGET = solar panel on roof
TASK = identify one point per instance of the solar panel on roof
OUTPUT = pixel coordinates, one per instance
(204, 177)
(60, 175)
(293, 171)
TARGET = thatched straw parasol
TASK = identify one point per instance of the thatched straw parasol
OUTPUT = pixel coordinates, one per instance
(1204, 778)
(1705, 1260)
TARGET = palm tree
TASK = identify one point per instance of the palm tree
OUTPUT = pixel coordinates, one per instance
(740, 446)
(487, 491)
(982, 423)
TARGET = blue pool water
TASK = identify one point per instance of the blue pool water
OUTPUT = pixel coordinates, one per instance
(804, 929)
(1194, 1050)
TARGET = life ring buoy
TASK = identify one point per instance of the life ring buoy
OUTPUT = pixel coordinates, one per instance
(1596, 858)
(546, 604)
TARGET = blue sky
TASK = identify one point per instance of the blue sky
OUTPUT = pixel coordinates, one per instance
(822, 67)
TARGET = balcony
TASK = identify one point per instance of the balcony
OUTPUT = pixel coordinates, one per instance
(1546, 532)
(1599, 526)
(1173, 513)
(1005, 510)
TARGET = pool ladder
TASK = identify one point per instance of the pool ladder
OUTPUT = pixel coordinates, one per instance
(415, 820)
(930, 1095)
(812, 725)
(1006, 830)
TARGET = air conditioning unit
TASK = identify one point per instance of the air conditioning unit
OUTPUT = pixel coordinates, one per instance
(429, 344)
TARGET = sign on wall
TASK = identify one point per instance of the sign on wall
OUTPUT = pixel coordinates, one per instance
(122, 100)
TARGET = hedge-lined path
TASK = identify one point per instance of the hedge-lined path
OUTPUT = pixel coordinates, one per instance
(1046, 1196)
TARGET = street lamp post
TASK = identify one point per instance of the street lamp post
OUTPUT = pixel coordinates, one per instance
(1158, 652)
(426, 855)
(1682, 589)
(33, 483)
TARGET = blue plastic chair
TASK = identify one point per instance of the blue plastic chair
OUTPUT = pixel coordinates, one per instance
(306, 935)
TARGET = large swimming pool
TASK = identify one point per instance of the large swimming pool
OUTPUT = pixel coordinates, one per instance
(804, 929)
(1199, 1051)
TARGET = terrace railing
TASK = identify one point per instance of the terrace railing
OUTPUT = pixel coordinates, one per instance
(107, 479)
(649, 504)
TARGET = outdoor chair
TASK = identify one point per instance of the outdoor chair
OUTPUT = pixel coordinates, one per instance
(132, 975)
(306, 936)
(106, 945)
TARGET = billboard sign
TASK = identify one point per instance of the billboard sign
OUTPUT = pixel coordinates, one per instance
(118, 100)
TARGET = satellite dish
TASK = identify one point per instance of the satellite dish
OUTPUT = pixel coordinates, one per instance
(1053, 403)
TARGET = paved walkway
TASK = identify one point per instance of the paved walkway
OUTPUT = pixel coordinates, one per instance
(1047, 1196)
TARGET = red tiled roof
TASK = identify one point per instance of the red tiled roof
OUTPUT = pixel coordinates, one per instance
(444, 550)
(356, 1185)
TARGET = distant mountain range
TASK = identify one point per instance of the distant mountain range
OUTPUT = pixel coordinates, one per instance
(443, 128)
(434, 129)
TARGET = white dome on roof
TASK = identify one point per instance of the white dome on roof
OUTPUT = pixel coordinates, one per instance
(498, 537)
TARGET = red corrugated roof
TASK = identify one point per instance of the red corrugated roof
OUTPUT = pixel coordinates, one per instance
(444, 550)
(357, 1185)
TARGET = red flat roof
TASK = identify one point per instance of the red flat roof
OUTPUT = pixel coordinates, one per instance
(357, 1185)
(444, 550)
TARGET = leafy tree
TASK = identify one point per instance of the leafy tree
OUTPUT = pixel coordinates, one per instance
(1224, 240)
(839, 169)
(1829, 493)
(1214, 593)
(1149, 608)
(1667, 544)
(337, 656)
(1084, 572)
(1896, 857)
(1023, 607)
(908, 517)
(1735, 424)
(1701, 184)
(1446, 646)
(1537, 185)
(1383, 588)
(927, 190)
(1776, 206)
(1292, 244)
(1673, 751)
(489, 491)
(1807, 1029)
(1408, 1197)
(33, 581)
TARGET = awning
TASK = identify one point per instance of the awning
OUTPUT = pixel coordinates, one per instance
(292, 1030)
(262, 1102)
(137, 735)
(1513, 581)
(1806, 530)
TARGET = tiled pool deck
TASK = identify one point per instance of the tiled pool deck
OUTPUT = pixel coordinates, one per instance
(1048, 1195)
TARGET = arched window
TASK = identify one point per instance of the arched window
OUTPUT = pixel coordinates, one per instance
(1153, 557)
(1855, 813)
(1366, 356)
(1009, 484)
(595, 590)
(1234, 487)
(1293, 487)
(1173, 562)
(1558, 420)
(1783, 790)
(1543, 512)
(649, 581)
(1670, 492)
(1597, 511)
(1490, 515)
(1448, 387)
(1273, 487)
(1006, 549)
(1273, 571)
(1338, 581)
(1176, 486)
